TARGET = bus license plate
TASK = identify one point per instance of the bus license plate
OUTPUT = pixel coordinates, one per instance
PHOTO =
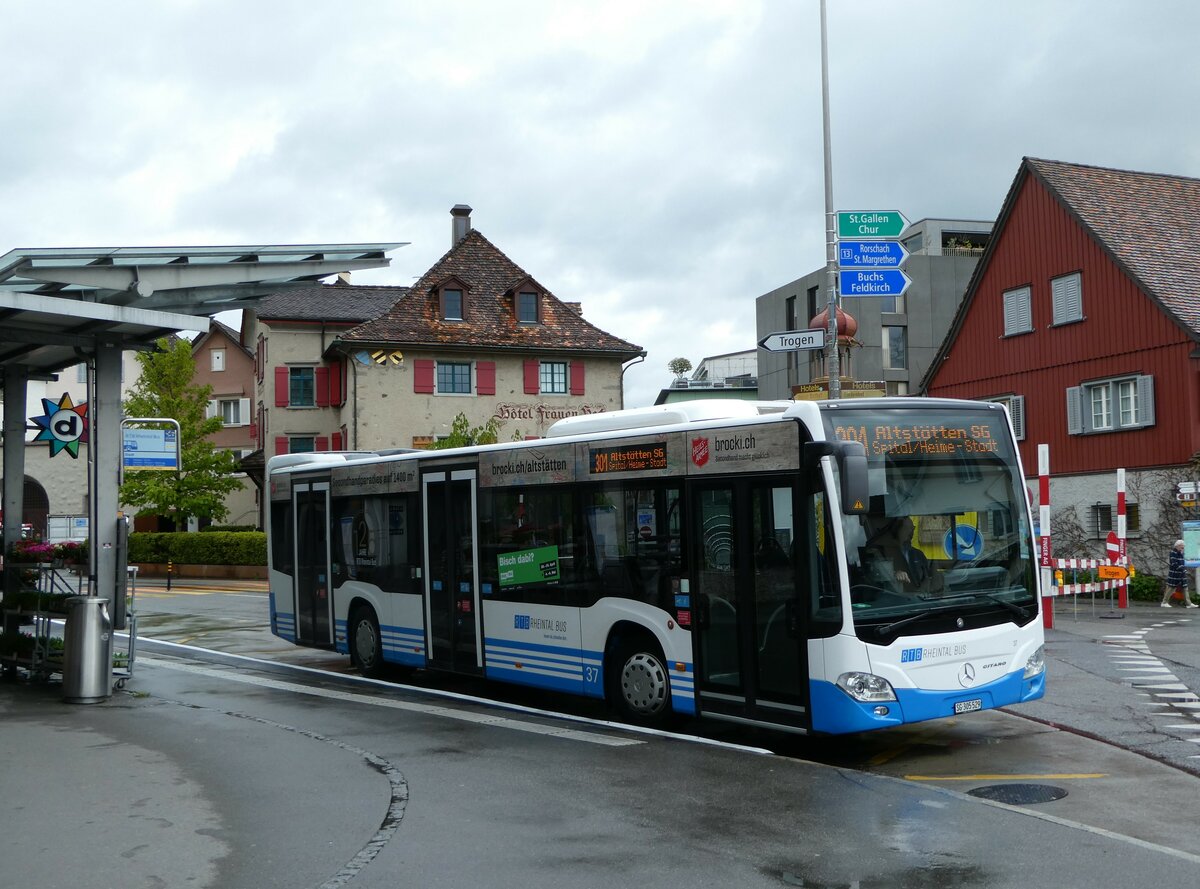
(968, 706)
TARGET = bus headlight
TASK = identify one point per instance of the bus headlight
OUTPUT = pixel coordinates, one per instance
(866, 687)
(1036, 665)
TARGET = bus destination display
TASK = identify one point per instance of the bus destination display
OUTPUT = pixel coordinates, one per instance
(920, 439)
(628, 458)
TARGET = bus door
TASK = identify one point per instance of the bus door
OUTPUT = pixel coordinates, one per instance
(314, 604)
(452, 615)
(750, 649)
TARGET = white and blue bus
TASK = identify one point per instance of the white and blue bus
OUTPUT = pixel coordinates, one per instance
(820, 567)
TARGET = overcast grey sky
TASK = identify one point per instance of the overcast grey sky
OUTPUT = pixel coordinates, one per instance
(659, 162)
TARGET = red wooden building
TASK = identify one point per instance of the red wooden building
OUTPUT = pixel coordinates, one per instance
(1084, 316)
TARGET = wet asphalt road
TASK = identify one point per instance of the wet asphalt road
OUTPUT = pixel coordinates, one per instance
(732, 817)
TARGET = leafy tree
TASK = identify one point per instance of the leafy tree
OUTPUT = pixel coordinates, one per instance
(207, 476)
(679, 366)
(461, 434)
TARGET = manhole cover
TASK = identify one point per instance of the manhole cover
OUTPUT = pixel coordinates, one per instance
(1019, 794)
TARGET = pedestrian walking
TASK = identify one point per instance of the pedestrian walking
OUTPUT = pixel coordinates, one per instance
(1177, 581)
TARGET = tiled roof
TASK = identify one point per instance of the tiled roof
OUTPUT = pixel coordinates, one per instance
(491, 320)
(1148, 222)
(343, 303)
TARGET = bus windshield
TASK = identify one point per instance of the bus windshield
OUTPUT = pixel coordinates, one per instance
(946, 539)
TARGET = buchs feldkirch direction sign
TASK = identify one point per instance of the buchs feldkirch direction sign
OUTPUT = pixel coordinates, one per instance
(871, 254)
(793, 340)
(873, 282)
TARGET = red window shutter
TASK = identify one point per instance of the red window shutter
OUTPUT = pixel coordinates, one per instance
(322, 443)
(423, 375)
(281, 388)
(337, 441)
(337, 375)
(321, 384)
(281, 444)
(533, 383)
(576, 377)
(485, 377)
(253, 431)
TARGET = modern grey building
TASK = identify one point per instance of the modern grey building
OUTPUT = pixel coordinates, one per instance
(897, 337)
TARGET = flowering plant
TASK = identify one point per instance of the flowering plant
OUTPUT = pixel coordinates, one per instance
(69, 551)
(26, 550)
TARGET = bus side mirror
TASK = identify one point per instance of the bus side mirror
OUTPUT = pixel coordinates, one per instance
(852, 470)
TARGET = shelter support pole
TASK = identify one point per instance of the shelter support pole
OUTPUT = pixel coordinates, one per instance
(16, 379)
(107, 455)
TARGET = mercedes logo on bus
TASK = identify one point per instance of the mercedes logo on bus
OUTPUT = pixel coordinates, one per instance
(966, 676)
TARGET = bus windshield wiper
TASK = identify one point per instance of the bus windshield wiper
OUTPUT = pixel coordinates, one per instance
(1016, 609)
(913, 618)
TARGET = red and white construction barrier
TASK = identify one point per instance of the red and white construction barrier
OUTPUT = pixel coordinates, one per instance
(1095, 586)
(1115, 545)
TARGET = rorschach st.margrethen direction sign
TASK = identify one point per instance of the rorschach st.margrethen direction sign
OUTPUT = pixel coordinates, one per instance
(865, 224)
(871, 254)
(874, 282)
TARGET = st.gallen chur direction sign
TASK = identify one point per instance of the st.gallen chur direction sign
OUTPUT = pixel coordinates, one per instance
(871, 224)
(873, 282)
(793, 340)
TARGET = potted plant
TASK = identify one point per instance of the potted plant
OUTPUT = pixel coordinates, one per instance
(29, 552)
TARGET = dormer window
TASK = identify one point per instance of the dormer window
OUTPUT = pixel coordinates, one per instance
(452, 295)
(527, 307)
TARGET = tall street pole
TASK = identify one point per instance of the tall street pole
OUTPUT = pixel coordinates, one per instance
(831, 341)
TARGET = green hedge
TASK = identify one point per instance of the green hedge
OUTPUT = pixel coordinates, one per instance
(215, 548)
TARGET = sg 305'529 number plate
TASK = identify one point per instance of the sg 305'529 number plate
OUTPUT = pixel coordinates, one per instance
(968, 706)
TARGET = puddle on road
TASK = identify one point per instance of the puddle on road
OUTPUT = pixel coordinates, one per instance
(931, 876)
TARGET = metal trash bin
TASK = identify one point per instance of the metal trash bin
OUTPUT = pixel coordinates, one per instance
(87, 651)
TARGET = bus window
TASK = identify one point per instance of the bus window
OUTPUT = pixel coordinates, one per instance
(528, 545)
(824, 597)
(281, 537)
(373, 542)
(634, 542)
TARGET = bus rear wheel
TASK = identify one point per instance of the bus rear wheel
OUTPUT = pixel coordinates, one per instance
(365, 642)
(639, 685)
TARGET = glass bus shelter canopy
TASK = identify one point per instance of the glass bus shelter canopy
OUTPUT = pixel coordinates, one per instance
(56, 303)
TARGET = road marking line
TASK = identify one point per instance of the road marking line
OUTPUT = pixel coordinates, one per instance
(409, 706)
(1063, 777)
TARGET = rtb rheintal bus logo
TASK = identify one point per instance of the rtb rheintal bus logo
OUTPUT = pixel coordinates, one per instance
(64, 425)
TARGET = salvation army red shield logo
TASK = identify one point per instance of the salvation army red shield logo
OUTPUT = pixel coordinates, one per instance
(699, 451)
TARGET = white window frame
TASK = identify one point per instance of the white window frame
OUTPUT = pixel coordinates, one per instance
(217, 360)
(1015, 404)
(548, 378)
(1112, 405)
(1018, 312)
(1066, 295)
(241, 410)
(437, 377)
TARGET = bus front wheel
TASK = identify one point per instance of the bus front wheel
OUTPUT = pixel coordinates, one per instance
(639, 684)
(365, 642)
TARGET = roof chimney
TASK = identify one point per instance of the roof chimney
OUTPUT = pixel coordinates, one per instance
(460, 224)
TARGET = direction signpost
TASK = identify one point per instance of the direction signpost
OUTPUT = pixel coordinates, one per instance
(793, 340)
(870, 224)
(873, 282)
(871, 254)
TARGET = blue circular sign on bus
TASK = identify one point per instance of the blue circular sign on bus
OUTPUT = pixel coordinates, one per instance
(964, 542)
